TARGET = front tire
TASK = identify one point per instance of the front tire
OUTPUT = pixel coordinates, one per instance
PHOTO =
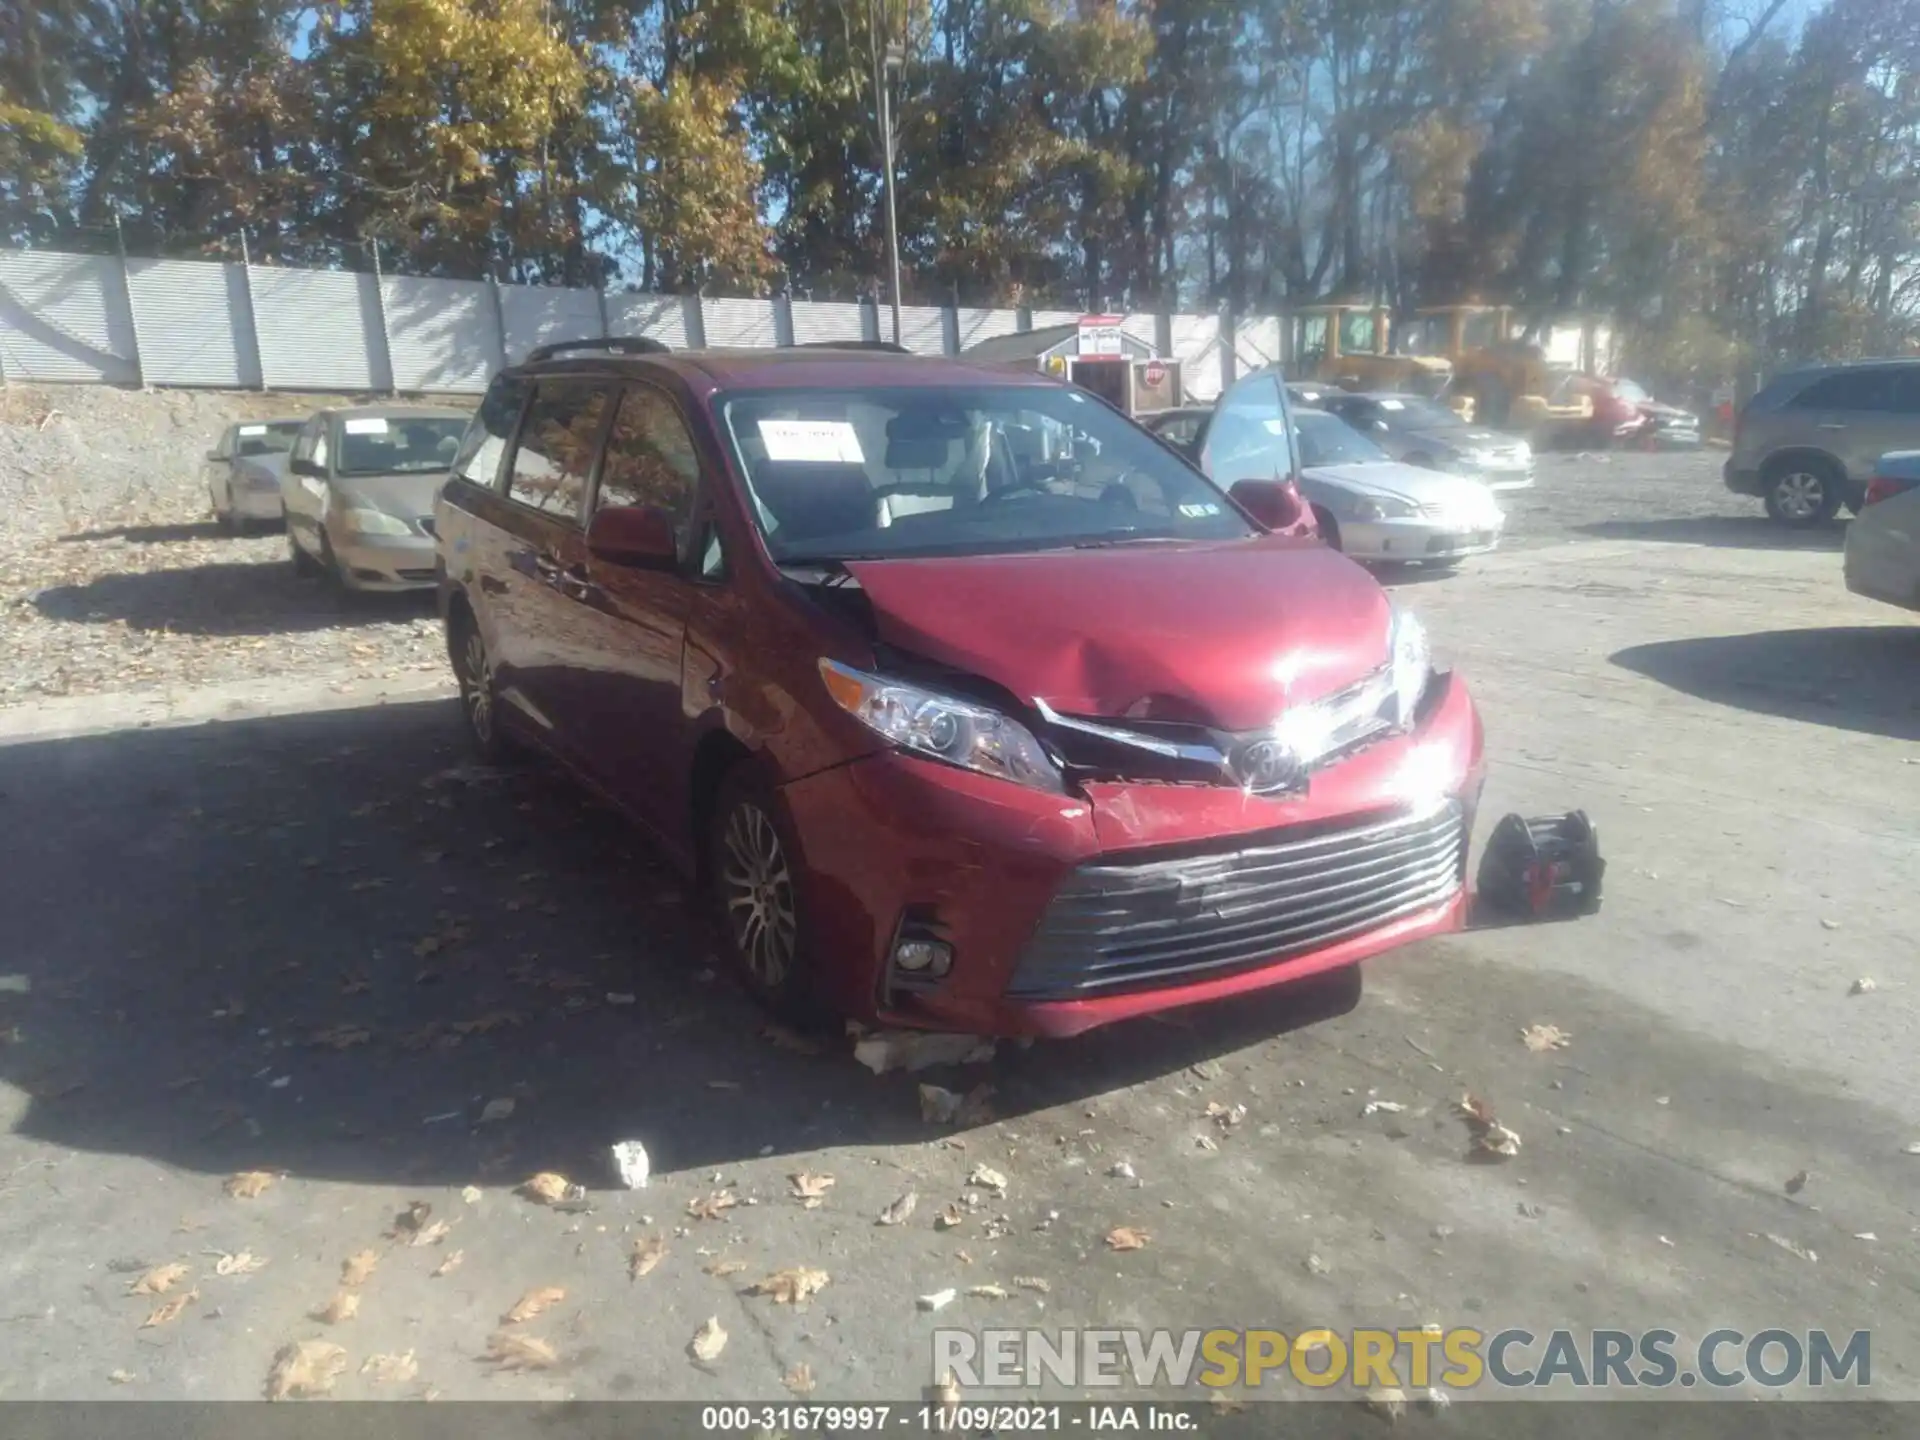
(752, 865)
(305, 566)
(1802, 493)
(479, 696)
(1329, 527)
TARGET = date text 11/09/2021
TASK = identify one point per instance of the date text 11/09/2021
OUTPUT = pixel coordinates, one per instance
(956, 1419)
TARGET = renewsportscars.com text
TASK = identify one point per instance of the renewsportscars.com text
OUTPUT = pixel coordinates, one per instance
(1457, 1359)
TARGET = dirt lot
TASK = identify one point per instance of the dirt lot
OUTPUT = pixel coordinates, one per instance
(312, 942)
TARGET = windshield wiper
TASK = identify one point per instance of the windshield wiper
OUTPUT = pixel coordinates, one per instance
(1127, 540)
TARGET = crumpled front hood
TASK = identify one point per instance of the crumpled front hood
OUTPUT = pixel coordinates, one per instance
(1225, 634)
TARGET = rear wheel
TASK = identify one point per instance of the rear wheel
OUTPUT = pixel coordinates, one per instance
(752, 865)
(479, 700)
(1802, 492)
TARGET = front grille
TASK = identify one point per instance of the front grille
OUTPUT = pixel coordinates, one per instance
(415, 577)
(1120, 924)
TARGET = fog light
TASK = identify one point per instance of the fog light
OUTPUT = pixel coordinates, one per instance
(931, 957)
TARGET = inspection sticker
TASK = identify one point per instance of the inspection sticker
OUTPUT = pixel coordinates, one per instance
(1199, 510)
(820, 441)
(367, 425)
(253, 429)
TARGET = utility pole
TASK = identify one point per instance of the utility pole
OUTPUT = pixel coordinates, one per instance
(889, 60)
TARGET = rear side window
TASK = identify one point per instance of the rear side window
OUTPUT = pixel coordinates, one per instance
(554, 458)
(1848, 390)
(490, 430)
(650, 459)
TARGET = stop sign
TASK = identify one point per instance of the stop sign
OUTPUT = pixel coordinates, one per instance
(1155, 374)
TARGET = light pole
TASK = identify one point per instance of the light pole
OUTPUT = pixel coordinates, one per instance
(889, 60)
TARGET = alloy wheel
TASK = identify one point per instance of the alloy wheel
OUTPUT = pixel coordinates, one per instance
(1800, 495)
(757, 886)
(476, 686)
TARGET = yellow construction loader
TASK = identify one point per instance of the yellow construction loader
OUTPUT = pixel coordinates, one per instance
(1507, 379)
(1346, 345)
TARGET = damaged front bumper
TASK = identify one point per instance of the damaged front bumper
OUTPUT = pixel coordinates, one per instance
(1065, 912)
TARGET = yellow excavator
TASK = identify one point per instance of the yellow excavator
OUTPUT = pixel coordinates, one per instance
(1346, 345)
(1507, 379)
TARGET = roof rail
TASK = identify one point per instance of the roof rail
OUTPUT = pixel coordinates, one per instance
(886, 345)
(618, 344)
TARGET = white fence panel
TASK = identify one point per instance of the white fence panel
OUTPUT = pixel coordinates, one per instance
(923, 328)
(441, 334)
(977, 325)
(64, 317)
(541, 314)
(1046, 319)
(1196, 345)
(1256, 342)
(319, 329)
(192, 320)
(658, 317)
(818, 322)
(739, 323)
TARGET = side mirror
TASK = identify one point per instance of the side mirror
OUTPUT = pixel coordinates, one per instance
(1275, 505)
(297, 466)
(638, 535)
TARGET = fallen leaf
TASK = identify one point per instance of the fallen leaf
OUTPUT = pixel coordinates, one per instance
(409, 1220)
(1380, 1107)
(900, 1210)
(1316, 1266)
(533, 1303)
(791, 1287)
(709, 1340)
(987, 1292)
(722, 1268)
(494, 1110)
(1497, 1142)
(343, 1306)
(1125, 1237)
(1032, 1282)
(244, 1262)
(355, 1269)
(1388, 1401)
(949, 1217)
(1797, 1182)
(120, 1377)
(471, 1194)
(1863, 986)
(432, 1235)
(341, 1037)
(799, 1379)
(987, 1178)
(158, 1280)
(1475, 1110)
(249, 1184)
(1542, 1038)
(709, 1207)
(449, 1265)
(308, 1367)
(390, 1369)
(1225, 1116)
(1206, 1142)
(938, 1300)
(807, 1186)
(646, 1254)
(1793, 1247)
(510, 1350)
(547, 1188)
(170, 1311)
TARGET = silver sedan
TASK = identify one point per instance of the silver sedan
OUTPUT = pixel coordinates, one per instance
(1379, 510)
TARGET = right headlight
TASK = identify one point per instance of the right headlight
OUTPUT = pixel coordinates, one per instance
(960, 732)
(1382, 507)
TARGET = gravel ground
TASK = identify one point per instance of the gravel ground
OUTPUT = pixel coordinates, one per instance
(113, 577)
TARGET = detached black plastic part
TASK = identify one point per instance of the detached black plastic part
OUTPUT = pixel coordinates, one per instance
(1542, 869)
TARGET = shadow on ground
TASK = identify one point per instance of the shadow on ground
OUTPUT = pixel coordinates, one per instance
(323, 943)
(151, 534)
(1864, 678)
(1738, 532)
(225, 599)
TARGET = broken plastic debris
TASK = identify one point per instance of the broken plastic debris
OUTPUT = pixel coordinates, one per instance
(939, 1300)
(1121, 1170)
(886, 1050)
(1863, 986)
(630, 1163)
(1381, 1107)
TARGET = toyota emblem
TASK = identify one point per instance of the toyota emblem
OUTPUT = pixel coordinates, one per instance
(1264, 766)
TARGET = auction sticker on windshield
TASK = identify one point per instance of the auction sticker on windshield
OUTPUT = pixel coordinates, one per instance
(819, 441)
(367, 425)
(253, 429)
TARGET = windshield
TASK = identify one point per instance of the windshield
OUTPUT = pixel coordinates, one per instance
(1631, 393)
(836, 474)
(1409, 411)
(272, 439)
(398, 445)
(1329, 440)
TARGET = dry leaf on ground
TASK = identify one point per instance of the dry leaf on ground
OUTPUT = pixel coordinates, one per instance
(533, 1303)
(938, 1300)
(471, 1194)
(1797, 1182)
(1793, 1247)
(170, 1311)
(341, 1037)
(547, 1188)
(158, 1280)
(1032, 1282)
(1542, 1038)
(390, 1369)
(244, 1262)
(121, 1377)
(448, 1265)
(249, 1184)
(808, 1186)
(722, 1268)
(510, 1350)
(1126, 1237)
(987, 1178)
(900, 1210)
(355, 1269)
(432, 1235)
(409, 1220)
(1387, 1401)
(1491, 1139)
(646, 1254)
(307, 1368)
(799, 1379)
(343, 1306)
(709, 1207)
(987, 1292)
(709, 1340)
(949, 1216)
(791, 1287)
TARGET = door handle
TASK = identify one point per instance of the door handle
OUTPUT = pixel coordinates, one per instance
(1830, 426)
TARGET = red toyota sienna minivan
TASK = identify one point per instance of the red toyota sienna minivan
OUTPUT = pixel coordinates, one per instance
(970, 704)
